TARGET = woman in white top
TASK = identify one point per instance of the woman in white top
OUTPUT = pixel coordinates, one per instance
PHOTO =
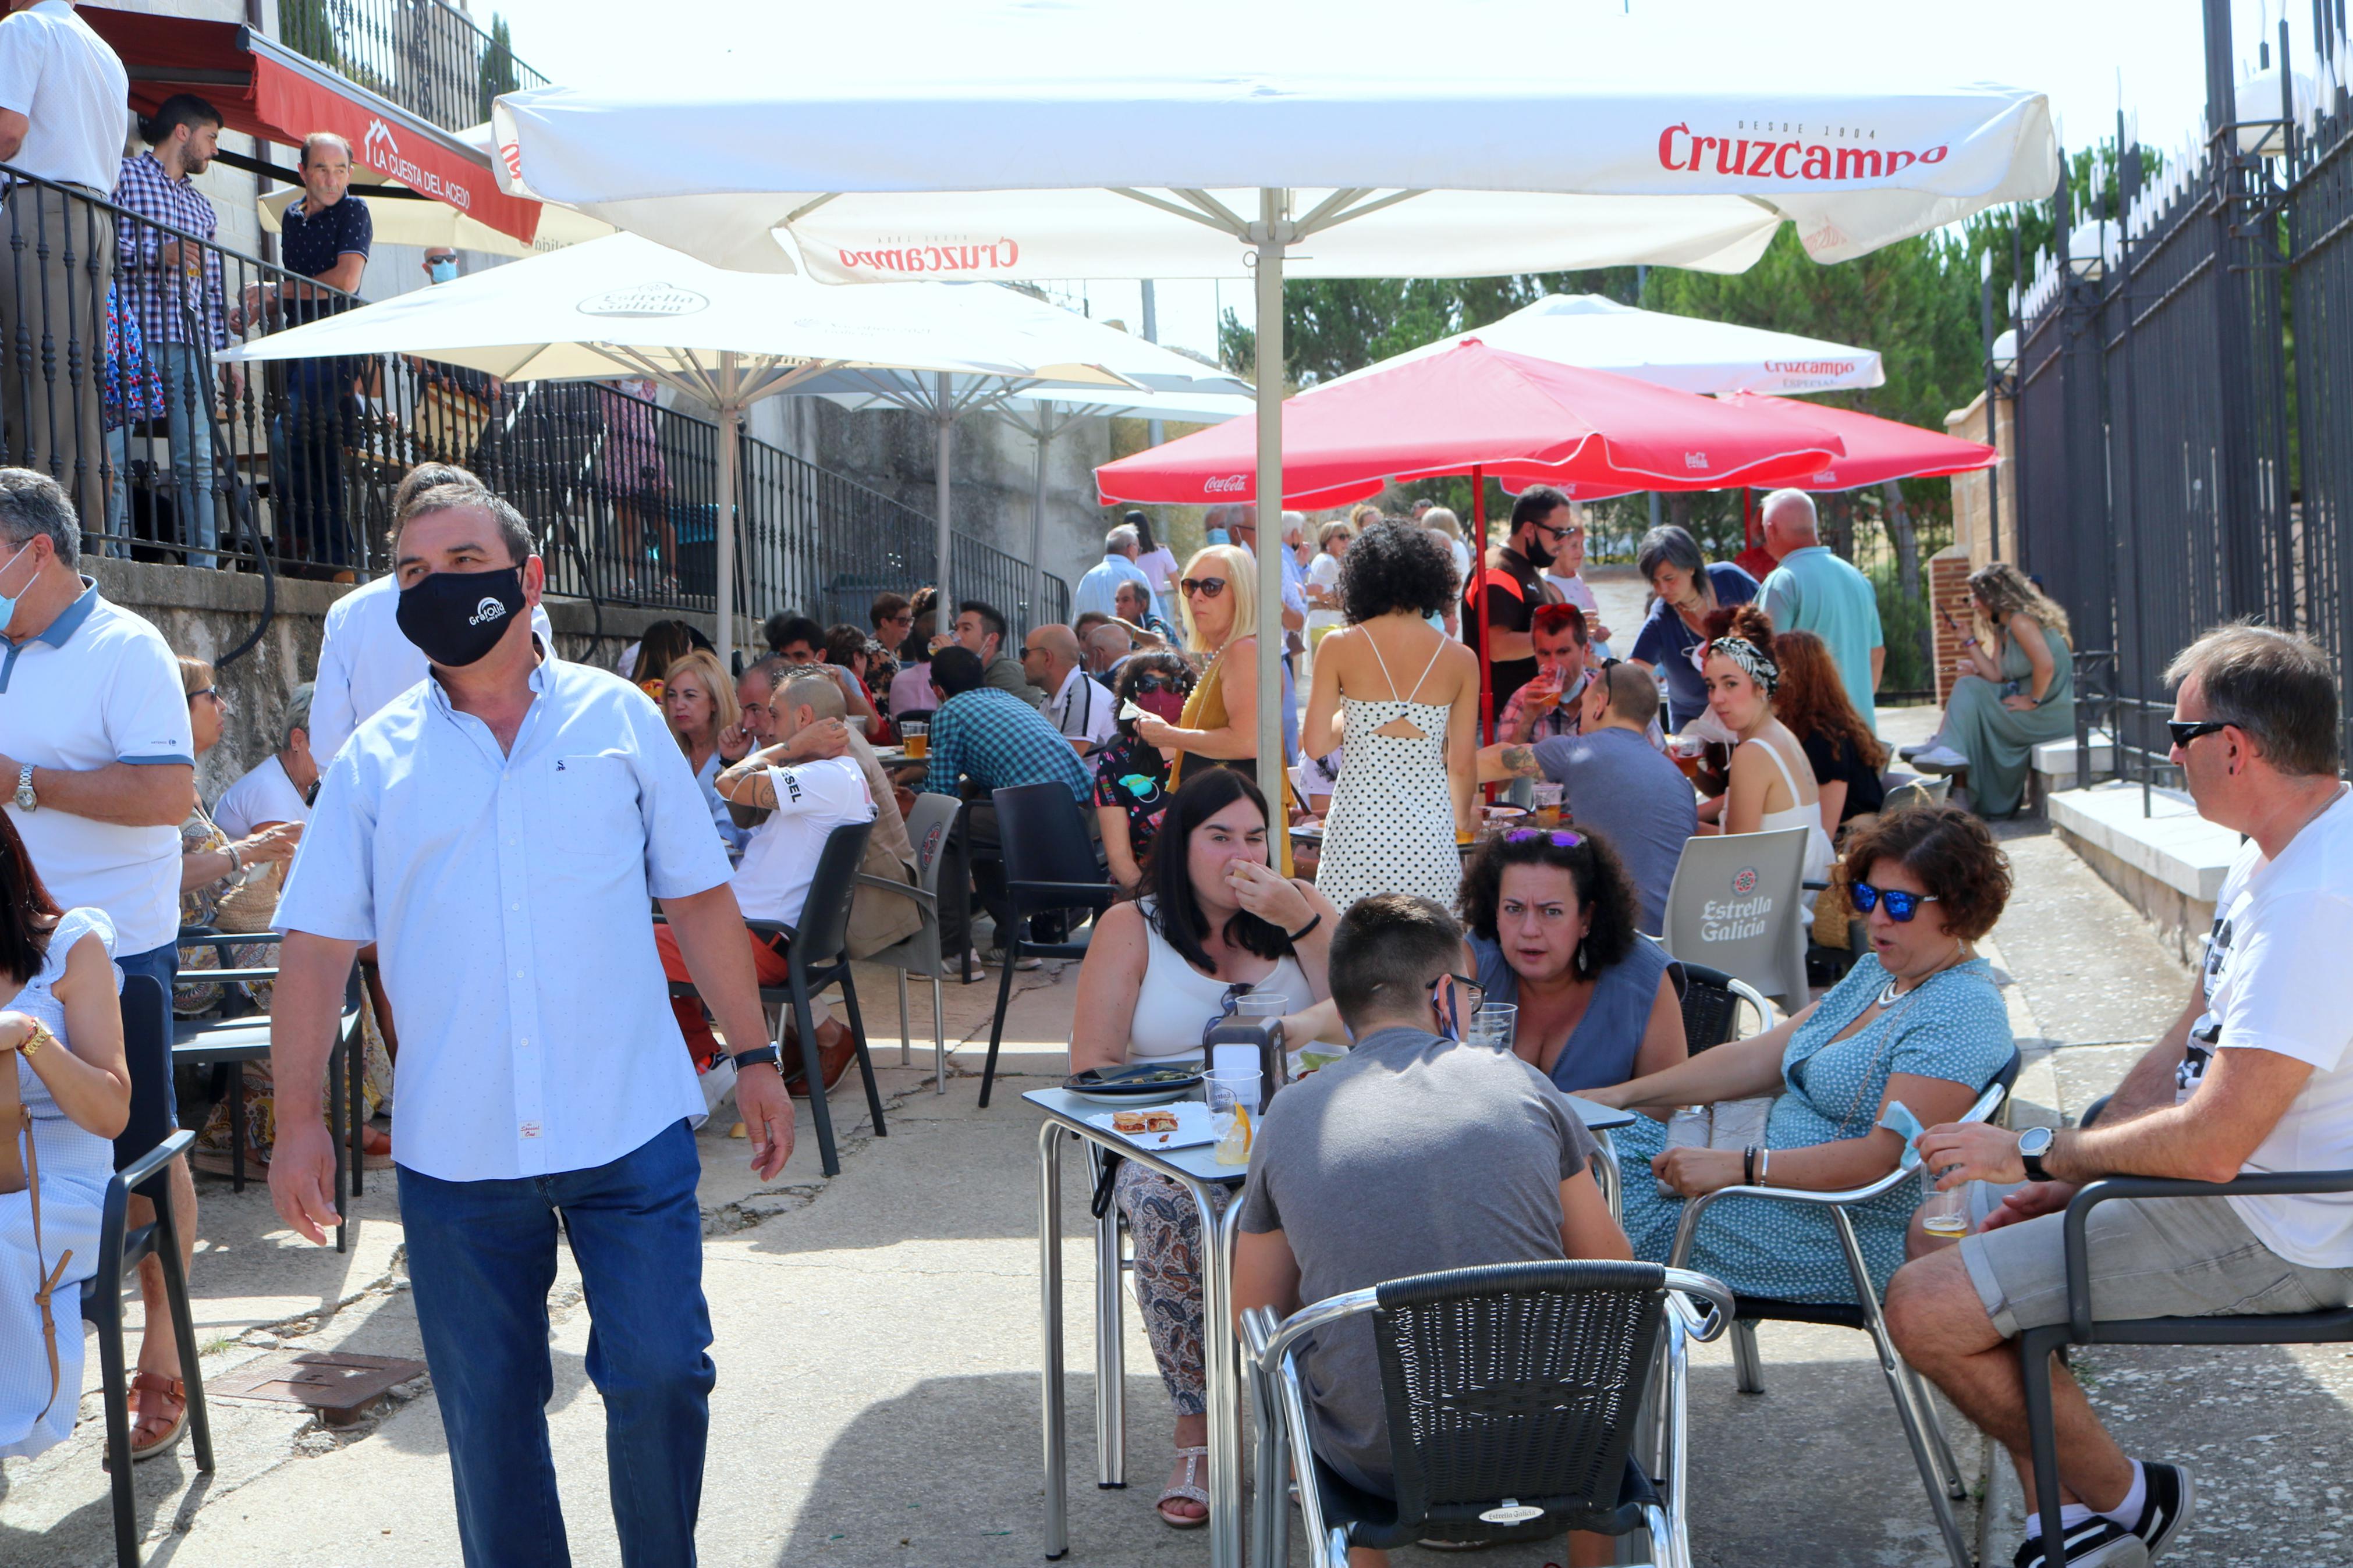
(1772, 783)
(1567, 561)
(61, 1034)
(1324, 580)
(1214, 922)
(1442, 522)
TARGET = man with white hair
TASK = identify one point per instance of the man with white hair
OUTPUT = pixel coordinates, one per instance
(1098, 590)
(1811, 590)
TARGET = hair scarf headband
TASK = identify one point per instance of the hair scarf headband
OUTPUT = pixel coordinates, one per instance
(1750, 658)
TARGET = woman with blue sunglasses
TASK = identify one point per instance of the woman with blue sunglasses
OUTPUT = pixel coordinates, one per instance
(1918, 1020)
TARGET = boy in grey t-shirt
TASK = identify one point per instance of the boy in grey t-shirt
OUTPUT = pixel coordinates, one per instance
(1412, 1154)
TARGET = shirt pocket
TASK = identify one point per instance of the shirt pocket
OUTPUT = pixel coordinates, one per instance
(592, 808)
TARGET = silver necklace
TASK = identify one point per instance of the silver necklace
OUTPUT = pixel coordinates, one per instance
(1887, 996)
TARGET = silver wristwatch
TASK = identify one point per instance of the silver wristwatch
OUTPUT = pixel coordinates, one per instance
(2032, 1145)
(26, 799)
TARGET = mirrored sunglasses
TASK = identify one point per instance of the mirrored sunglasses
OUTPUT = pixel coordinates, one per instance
(1901, 906)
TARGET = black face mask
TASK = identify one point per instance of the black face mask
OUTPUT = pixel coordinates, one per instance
(457, 617)
(1535, 552)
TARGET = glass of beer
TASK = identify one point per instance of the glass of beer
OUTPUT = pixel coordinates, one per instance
(1686, 750)
(1945, 1213)
(915, 739)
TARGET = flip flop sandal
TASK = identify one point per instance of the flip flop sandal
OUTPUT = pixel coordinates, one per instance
(1187, 1489)
(171, 1388)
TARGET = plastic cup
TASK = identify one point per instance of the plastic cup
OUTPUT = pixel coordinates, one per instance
(1547, 804)
(1263, 1004)
(915, 739)
(1944, 1215)
(1233, 1099)
(1496, 1024)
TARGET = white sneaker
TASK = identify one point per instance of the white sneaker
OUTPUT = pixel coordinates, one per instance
(1931, 743)
(1940, 759)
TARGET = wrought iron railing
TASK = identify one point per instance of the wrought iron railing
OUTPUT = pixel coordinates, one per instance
(428, 56)
(108, 320)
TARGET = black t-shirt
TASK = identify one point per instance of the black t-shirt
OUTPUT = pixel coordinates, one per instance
(1514, 590)
(1842, 760)
(311, 245)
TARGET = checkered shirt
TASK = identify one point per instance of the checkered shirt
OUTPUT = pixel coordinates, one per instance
(998, 740)
(154, 291)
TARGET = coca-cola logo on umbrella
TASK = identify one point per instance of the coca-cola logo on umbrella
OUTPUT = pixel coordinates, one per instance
(645, 299)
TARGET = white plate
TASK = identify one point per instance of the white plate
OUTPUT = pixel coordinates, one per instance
(1194, 1129)
(1163, 1098)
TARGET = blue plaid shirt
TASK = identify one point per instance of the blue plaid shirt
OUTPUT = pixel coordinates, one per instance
(998, 740)
(156, 292)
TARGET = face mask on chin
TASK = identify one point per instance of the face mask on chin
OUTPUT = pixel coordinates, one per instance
(1535, 552)
(456, 618)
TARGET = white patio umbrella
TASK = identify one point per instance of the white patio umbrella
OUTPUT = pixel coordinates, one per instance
(401, 216)
(1092, 139)
(1690, 354)
(626, 305)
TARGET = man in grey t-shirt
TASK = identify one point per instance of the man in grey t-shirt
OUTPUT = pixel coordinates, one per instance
(1617, 784)
(1464, 1155)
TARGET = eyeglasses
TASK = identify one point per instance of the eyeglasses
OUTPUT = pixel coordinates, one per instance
(1572, 530)
(1146, 684)
(1560, 840)
(2185, 731)
(1901, 906)
(1206, 587)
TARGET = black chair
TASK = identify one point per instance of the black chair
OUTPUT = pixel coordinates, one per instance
(2036, 1346)
(1513, 1395)
(148, 1143)
(1939, 1472)
(1711, 1003)
(240, 1035)
(1050, 867)
(816, 955)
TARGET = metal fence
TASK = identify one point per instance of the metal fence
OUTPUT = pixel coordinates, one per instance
(2184, 456)
(108, 320)
(428, 56)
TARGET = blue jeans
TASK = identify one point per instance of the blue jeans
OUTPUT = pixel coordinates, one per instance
(185, 373)
(482, 1256)
(164, 963)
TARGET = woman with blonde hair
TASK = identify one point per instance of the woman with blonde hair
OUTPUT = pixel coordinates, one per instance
(1442, 522)
(1332, 543)
(698, 704)
(2016, 690)
(1216, 599)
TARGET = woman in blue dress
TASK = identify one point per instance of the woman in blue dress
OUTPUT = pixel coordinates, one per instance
(1919, 1020)
(1687, 589)
(1556, 930)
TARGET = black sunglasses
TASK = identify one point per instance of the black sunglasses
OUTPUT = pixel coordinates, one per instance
(1149, 683)
(1208, 588)
(1901, 906)
(2185, 731)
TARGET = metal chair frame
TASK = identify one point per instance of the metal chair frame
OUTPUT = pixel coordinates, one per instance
(1940, 1472)
(1285, 1434)
(922, 955)
(1029, 896)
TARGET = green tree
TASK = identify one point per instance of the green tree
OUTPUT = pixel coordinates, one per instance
(498, 70)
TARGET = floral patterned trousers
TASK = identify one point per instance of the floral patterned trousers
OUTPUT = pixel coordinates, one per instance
(1166, 1224)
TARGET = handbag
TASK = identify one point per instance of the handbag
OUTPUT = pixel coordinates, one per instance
(1727, 1124)
(21, 1172)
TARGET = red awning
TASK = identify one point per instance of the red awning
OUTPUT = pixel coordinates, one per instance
(265, 89)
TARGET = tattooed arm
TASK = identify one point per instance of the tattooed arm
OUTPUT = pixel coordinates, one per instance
(1508, 761)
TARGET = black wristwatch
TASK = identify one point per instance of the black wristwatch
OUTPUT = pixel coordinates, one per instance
(755, 1057)
(2032, 1145)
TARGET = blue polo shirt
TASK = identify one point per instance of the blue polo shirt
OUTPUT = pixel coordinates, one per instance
(312, 244)
(1813, 591)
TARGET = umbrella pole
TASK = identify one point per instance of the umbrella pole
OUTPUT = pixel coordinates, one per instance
(1269, 233)
(1479, 594)
(722, 530)
(944, 544)
(1037, 607)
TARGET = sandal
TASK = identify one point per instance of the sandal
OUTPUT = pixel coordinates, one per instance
(145, 1420)
(1188, 1489)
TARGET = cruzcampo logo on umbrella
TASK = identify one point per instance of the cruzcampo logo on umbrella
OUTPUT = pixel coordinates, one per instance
(643, 301)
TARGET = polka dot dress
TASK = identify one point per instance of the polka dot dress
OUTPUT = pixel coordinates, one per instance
(1952, 1027)
(1391, 829)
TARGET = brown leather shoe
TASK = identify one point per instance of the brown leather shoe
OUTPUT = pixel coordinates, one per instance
(837, 1047)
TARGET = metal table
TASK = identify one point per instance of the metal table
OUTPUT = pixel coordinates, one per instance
(1196, 1170)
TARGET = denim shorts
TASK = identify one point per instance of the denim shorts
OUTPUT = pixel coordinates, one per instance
(2150, 1257)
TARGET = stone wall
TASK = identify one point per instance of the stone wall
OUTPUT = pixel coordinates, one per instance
(206, 613)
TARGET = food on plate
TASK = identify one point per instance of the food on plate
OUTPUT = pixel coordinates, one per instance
(1137, 1123)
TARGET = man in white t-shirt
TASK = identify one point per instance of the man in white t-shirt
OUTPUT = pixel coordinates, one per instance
(805, 801)
(279, 788)
(2255, 1076)
(1082, 708)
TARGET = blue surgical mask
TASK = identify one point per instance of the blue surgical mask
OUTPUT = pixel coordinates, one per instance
(441, 271)
(8, 601)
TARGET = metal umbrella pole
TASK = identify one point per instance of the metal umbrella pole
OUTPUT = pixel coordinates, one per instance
(731, 416)
(944, 541)
(1269, 235)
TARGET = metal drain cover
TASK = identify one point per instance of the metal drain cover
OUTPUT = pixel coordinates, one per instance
(336, 1384)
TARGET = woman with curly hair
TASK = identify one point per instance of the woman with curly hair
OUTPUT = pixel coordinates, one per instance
(1918, 1020)
(1556, 930)
(1404, 796)
(1811, 704)
(2016, 690)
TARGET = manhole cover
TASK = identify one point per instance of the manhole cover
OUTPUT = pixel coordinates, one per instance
(335, 1384)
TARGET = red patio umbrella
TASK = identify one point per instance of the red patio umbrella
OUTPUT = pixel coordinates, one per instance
(1474, 409)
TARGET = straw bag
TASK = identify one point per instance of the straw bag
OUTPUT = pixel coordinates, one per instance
(20, 1172)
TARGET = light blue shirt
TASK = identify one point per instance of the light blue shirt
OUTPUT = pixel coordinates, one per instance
(732, 837)
(1813, 591)
(1098, 591)
(509, 895)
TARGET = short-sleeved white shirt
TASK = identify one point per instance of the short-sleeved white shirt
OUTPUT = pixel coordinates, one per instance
(365, 661)
(812, 800)
(509, 895)
(99, 686)
(1084, 708)
(2277, 979)
(264, 794)
(73, 91)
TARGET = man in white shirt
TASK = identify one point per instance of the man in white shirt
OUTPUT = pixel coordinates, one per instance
(1079, 706)
(97, 763)
(65, 112)
(807, 784)
(279, 788)
(498, 831)
(2255, 1076)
